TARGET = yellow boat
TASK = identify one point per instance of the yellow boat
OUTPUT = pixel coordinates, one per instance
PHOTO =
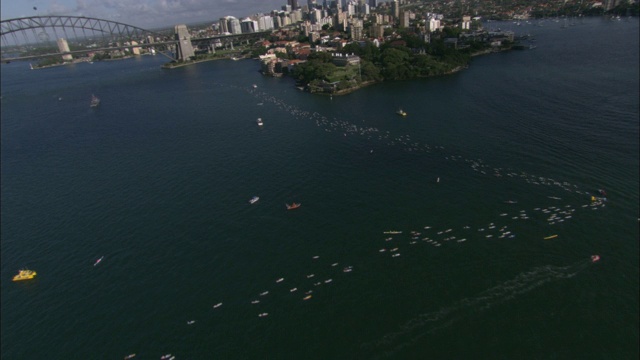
(551, 237)
(25, 275)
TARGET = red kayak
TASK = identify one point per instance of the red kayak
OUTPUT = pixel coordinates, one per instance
(595, 258)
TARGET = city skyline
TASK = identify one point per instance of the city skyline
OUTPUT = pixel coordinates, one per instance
(141, 13)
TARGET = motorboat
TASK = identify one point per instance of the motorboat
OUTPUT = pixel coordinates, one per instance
(306, 297)
(259, 121)
(25, 274)
(217, 305)
(595, 258)
(293, 206)
(401, 112)
(254, 200)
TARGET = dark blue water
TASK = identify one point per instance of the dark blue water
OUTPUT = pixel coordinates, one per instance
(157, 180)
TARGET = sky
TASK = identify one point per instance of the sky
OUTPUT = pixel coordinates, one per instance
(146, 14)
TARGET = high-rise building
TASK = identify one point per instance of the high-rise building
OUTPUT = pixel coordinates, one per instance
(404, 19)
(234, 25)
(373, 3)
(224, 27)
(395, 9)
(248, 26)
(293, 3)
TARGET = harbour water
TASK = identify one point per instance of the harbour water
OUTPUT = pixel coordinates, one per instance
(487, 163)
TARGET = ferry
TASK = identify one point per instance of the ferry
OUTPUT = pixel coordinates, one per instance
(293, 206)
(259, 121)
(401, 112)
(94, 101)
(254, 200)
(25, 275)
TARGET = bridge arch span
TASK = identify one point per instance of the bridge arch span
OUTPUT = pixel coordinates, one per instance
(31, 29)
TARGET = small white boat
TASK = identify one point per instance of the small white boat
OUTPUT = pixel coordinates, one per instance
(280, 280)
(191, 322)
(264, 293)
(255, 86)
(263, 314)
(98, 261)
(294, 289)
(259, 121)
(217, 305)
(255, 301)
(254, 200)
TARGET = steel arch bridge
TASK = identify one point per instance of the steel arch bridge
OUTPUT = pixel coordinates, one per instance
(36, 30)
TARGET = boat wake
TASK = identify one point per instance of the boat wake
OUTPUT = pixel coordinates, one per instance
(428, 323)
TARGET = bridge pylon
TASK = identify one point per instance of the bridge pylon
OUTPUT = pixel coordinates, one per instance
(184, 49)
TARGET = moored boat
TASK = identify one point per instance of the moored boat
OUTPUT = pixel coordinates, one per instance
(25, 274)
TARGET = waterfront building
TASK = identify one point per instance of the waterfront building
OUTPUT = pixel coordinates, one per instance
(224, 25)
(265, 22)
(234, 25)
(248, 26)
(343, 60)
